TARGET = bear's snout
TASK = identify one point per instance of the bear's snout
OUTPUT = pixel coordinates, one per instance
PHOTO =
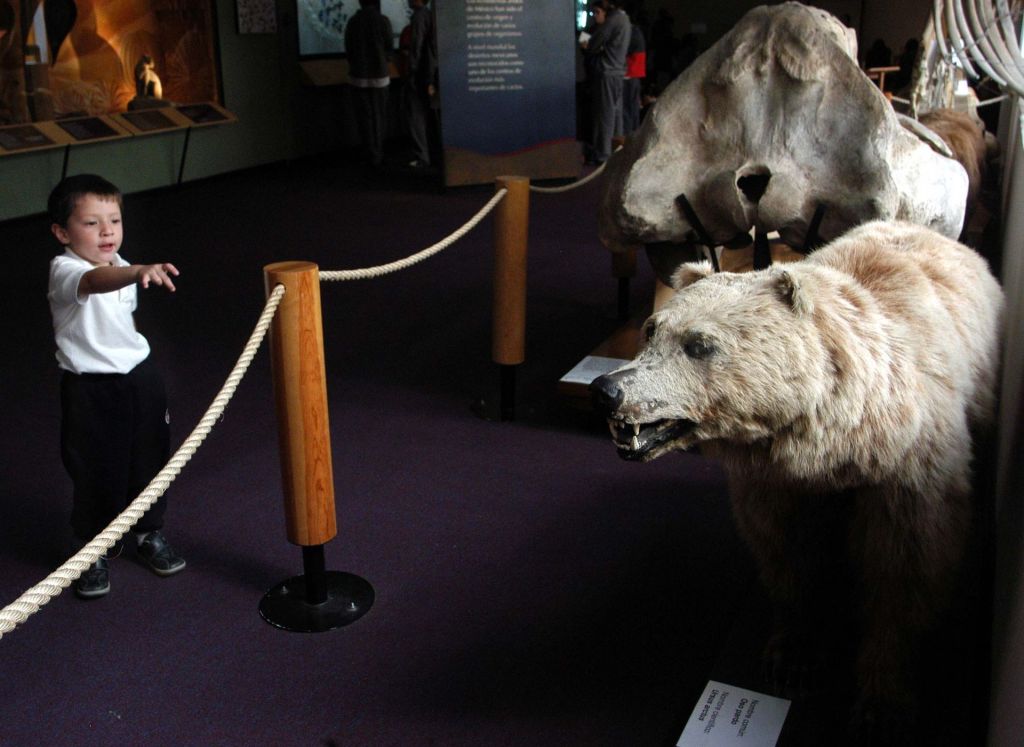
(606, 394)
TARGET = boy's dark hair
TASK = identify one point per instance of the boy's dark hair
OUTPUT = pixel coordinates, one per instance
(62, 199)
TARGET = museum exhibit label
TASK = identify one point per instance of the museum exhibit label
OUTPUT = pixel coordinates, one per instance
(507, 89)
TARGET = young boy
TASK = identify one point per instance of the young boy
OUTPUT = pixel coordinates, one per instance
(115, 435)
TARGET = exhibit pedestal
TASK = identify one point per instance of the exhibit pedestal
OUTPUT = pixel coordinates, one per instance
(317, 601)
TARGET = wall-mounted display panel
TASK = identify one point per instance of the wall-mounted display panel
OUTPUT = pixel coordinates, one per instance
(582, 14)
(321, 24)
(508, 85)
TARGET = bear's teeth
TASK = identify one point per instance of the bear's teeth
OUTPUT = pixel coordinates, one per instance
(636, 429)
(635, 444)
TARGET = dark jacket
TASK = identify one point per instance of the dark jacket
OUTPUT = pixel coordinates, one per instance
(368, 42)
(422, 49)
(606, 50)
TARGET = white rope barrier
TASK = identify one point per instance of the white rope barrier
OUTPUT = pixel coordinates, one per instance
(372, 272)
(18, 611)
(567, 187)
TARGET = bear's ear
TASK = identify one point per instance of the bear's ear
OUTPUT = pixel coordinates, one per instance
(690, 273)
(790, 290)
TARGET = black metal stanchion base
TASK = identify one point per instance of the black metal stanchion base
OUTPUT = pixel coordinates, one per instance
(484, 409)
(349, 597)
(318, 600)
(503, 406)
(508, 393)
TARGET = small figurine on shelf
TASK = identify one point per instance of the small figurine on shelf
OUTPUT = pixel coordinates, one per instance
(149, 92)
(147, 82)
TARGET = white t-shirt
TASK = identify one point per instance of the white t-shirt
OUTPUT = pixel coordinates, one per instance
(95, 334)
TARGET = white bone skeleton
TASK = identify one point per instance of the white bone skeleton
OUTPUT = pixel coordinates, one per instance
(772, 124)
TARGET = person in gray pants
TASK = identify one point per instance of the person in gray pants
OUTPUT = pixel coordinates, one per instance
(422, 85)
(606, 56)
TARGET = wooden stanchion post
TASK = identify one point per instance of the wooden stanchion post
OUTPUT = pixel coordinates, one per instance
(511, 228)
(300, 390)
(624, 268)
(319, 599)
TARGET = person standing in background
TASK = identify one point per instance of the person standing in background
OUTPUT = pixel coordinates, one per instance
(369, 42)
(421, 88)
(606, 55)
(636, 71)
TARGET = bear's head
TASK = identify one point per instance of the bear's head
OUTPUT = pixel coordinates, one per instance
(730, 357)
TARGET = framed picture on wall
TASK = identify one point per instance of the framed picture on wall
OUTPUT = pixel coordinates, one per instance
(256, 17)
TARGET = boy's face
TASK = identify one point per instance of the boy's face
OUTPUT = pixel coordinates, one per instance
(94, 230)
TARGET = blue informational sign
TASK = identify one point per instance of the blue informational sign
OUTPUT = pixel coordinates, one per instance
(507, 74)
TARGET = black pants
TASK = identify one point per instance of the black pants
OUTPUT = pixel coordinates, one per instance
(371, 117)
(631, 104)
(607, 113)
(114, 438)
(418, 114)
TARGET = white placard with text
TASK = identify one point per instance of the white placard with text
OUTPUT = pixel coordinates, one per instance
(590, 368)
(727, 716)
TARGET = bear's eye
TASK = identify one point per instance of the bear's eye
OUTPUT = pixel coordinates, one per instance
(698, 348)
(649, 331)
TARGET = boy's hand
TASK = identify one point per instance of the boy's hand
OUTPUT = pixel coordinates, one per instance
(158, 274)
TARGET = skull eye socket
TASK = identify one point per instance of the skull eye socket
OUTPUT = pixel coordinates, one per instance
(698, 348)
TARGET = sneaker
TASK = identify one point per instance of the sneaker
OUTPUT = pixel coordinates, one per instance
(160, 556)
(95, 582)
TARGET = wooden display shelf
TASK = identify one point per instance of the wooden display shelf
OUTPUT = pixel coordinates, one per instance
(33, 136)
(92, 129)
(205, 114)
(59, 133)
(149, 121)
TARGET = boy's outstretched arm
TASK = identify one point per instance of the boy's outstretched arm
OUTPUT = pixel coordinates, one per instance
(107, 279)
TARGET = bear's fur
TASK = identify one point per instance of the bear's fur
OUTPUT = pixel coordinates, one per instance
(839, 393)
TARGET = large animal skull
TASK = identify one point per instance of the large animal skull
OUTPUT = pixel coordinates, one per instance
(775, 120)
